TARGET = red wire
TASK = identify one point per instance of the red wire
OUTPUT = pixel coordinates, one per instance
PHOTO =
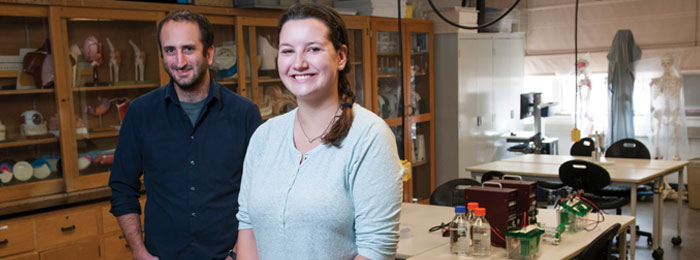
(592, 204)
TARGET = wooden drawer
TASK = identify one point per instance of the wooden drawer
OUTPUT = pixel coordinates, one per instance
(65, 226)
(79, 251)
(109, 222)
(27, 256)
(16, 237)
(115, 247)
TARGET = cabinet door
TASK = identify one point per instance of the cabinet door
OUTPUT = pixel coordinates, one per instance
(224, 67)
(359, 59)
(263, 84)
(418, 95)
(16, 237)
(108, 58)
(83, 250)
(386, 77)
(30, 150)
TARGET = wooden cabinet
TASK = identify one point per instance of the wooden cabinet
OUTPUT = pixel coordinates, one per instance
(407, 108)
(92, 90)
(26, 142)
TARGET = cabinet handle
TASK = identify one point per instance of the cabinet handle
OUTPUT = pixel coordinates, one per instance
(4, 242)
(64, 229)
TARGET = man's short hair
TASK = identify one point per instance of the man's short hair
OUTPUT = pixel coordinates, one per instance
(206, 32)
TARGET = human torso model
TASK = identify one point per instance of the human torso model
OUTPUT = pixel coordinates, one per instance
(666, 108)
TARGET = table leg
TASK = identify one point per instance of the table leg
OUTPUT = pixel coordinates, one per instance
(633, 228)
(656, 242)
(622, 243)
(681, 187)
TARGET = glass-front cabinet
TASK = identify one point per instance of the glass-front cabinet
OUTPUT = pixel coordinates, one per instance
(109, 59)
(30, 151)
(224, 67)
(359, 59)
(263, 84)
(408, 110)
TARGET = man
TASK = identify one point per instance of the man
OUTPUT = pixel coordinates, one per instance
(188, 138)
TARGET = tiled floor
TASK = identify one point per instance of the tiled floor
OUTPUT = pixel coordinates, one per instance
(690, 230)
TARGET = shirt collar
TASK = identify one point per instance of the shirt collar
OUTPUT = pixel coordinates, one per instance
(213, 97)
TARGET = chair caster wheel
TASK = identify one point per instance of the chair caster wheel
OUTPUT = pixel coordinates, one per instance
(658, 253)
(650, 242)
(676, 240)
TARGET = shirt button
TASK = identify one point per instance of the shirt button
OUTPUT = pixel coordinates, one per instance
(191, 137)
(192, 162)
(192, 188)
(194, 214)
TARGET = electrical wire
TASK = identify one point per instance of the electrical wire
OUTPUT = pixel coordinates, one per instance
(576, 65)
(472, 27)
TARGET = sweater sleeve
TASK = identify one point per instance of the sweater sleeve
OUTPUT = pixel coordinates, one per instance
(376, 189)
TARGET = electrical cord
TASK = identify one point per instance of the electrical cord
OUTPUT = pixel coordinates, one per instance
(472, 27)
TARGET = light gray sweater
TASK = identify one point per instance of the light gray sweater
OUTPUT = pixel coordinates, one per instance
(337, 203)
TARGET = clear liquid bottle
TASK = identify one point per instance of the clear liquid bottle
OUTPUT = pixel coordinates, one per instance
(481, 234)
(459, 233)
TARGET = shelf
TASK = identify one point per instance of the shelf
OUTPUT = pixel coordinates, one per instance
(98, 134)
(419, 53)
(421, 163)
(268, 80)
(25, 142)
(7, 74)
(229, 81)
(420, 74)
(117, 87)
(26, 91)
(388, 54)
(387, 76)
(355, 63)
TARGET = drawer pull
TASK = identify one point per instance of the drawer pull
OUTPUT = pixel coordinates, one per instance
(65, 229)
(4, 242)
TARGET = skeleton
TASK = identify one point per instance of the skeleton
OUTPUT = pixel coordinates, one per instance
(115, 59)
(668, 88)
(139, 60)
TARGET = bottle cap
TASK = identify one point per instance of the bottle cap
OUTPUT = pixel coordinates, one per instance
(480, 211)
(472, 205)
(460, 209)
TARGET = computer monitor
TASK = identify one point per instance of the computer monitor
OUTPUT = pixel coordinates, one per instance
(527, 105)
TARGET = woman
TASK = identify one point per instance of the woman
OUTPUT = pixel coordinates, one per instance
(324, 180)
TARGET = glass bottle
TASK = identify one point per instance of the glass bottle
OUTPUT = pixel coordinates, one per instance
(481, 234)
(459, 232)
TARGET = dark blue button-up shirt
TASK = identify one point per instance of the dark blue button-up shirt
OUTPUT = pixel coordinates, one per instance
(191, 174)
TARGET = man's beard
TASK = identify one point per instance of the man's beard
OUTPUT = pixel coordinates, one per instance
(198, 78)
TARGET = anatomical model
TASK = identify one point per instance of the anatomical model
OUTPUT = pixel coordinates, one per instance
(92, 52)
(139, 60)
(669, 137)
(115, 58)
(74, 55)
(584, 88)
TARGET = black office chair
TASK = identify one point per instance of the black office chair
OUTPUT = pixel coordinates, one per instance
(451, 193)
(583, 147)
(629, 148)
(601, 247)
(490, 175)
(591, 178)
